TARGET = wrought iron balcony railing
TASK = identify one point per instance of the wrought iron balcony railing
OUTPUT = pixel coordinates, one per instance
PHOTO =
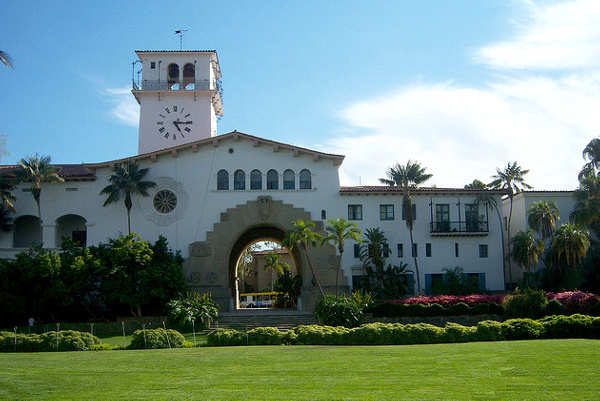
(449, 228)
(204, 85)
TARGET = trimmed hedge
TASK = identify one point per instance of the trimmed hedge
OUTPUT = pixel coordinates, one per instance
(420, 310)
(575, 326)
(156, 338)
(68, 340)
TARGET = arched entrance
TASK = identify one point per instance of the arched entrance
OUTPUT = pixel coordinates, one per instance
(251, 236)
(210, 267)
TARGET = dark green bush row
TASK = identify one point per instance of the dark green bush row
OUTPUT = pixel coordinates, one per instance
(576, 326)
(156, 338)
(68, 340)
(419, 310)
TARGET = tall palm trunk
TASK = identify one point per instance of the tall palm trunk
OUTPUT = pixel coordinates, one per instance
(412, 250)
(305, 247)
(508, 234)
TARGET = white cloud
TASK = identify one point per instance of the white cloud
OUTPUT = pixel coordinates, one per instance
(555, 37)
(461, 133)
(125, 107)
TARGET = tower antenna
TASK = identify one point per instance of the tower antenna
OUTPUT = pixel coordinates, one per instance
(180, 32)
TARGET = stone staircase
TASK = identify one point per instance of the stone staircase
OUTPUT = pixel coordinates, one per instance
(248, 319)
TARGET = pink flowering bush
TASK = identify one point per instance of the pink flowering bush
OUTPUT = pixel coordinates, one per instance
(448, 300)
(575, 301)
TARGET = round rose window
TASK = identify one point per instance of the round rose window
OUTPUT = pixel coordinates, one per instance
(165, 201)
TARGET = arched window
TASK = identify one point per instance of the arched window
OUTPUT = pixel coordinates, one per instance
(305, 179)
(272, 179)
(189, 76)
(173, 76)
(223, 180)
(255, 179)
(27, 232)
(239, 180)
(289, 179)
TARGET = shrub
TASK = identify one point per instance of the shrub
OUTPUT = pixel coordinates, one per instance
(221, 337)
(156, 338)
(529, 304)
(574, 326)
(265, 336)
(523, 329)
(321, 335)
(104, 347)
(489, 330)
(338, 311)
(420, 310)
(193, 307)
(575, 301)
(449, 300)
(68, 340)
(456, 333)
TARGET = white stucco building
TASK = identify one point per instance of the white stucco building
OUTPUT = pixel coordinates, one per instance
(216, 194)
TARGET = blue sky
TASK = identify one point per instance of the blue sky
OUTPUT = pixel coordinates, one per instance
(461, 86)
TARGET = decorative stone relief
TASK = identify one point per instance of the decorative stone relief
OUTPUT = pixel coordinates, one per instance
(211, 277)
(264, 204)
(169, 194)
(200, 249)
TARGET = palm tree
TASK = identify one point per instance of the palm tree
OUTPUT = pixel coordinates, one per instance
(6, 59)
(586, 212)
(408, 177)
(338, 231)
(476, 184)
(372, 254)
(542, 217)
(490, 201)
(302, 235)
(6, 222)
(273, 264)
(37, 169)
(569, 246)
(126, 181)
(6, 196)
(526, 249)
(512, 180)
(591, 153)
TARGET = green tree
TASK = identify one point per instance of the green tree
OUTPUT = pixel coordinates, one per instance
(138, 274)
(542, 217)
(338, 232)
(193, 307)
(35, 170)
(6, 193)
(569, 247)
(126, 181)
(274, 265)
(6, 221)
(408, 177)
(526, 250)
(511, 179)
(302, 235)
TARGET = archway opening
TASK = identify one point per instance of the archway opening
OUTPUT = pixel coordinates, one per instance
(264, 274)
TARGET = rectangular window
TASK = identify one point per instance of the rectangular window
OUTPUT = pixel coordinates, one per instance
(354, 212)
(386, 212)
(505, 223)
(483, 251)
(434, 283)
(428, 250)
(400, 248)
(356, 251)
(414, 208)
(415, 254)
(386, 250)
(442, 218)
(456, 249)
(71, 189)
(152, 65)
(472, 217)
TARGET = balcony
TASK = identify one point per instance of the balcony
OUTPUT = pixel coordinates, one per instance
(204, 85)
(459, 228)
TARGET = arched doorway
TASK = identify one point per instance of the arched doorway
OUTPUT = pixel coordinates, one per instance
(254, 235)
(210, 267)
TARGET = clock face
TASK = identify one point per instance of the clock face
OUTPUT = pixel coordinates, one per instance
(174, 123)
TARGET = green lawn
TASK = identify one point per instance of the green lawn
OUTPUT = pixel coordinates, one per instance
(536, 370)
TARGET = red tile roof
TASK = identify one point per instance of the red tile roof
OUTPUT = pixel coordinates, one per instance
(385, 189)
(70, 172)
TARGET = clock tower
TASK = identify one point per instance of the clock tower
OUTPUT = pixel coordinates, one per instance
(179, 96)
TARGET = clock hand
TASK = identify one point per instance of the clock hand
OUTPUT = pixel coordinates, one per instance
(176, 124)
